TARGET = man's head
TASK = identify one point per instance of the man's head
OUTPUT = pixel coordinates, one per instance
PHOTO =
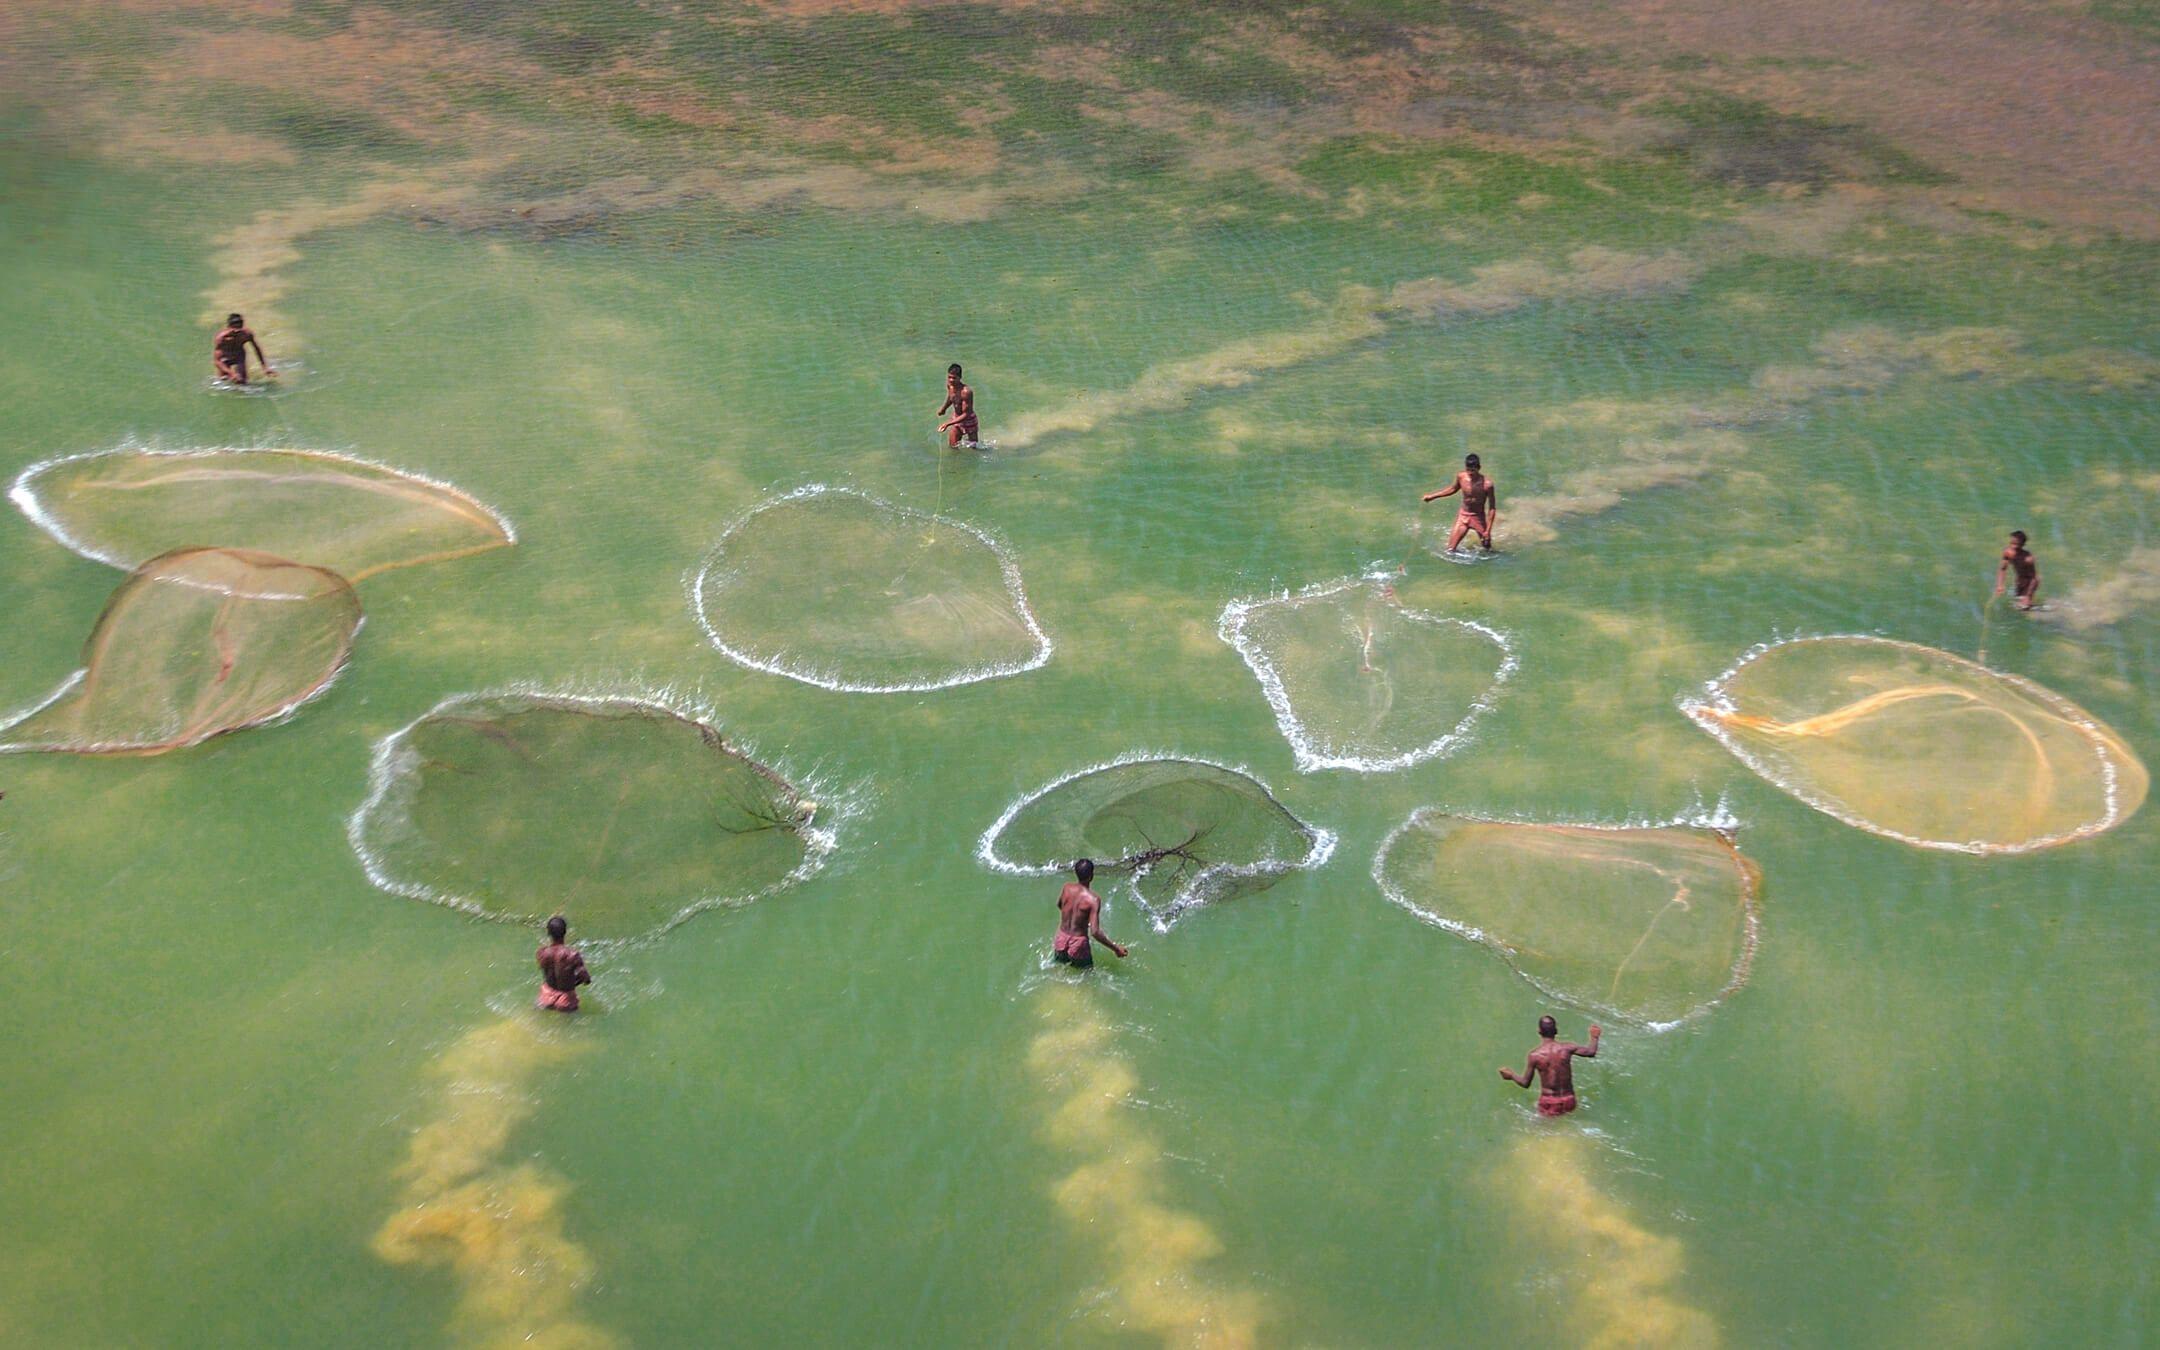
(558, 928)
(952, 372)
(1548, 1026)
(235, 321)
(1470, 462)
(1085, 870)
(2018, 537)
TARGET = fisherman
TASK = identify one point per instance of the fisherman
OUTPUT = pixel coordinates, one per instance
(562, 969)
(1550, 1064)
(228, 351)
(1480, 504)
(1080, 917)
(961, 428)
(2020, 559)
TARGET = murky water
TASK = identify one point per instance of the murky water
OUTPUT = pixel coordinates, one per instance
(1231, 293)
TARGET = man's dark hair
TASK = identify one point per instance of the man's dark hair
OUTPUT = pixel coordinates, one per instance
(1547, 1026)
(1470, 462)
(2018, 535)
(235, 321)
(557, 927)
(1085, 870)
(953, 369)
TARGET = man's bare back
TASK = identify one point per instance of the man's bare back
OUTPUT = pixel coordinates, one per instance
(1080, 919)
(1551, 1066)
(562, 969)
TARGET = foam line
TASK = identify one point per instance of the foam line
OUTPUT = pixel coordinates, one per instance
(1321, 842)
(1310, 754)
(390, 762)
(1718, 820)
(1703, 712)
(1007, 566)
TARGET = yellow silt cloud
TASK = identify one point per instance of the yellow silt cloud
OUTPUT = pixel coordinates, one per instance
(496, 1227)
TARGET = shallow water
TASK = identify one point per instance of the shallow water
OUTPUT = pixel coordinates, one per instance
(622, 275)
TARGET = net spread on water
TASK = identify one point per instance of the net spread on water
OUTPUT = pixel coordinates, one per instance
(1182, 831)
(353, 517)
(1922, 746)
(1359, 681)
(193, 644)
(846, 592)
(621, 814)
(1651, 923)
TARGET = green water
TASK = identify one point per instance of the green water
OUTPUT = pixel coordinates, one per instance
(814, 1119)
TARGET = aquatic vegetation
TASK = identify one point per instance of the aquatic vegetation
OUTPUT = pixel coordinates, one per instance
(846, 592)
(1155, 1278)
(1922, 746)
(496, 1224)
(1652, 923)
(322, 509)
(1186, 832)
(1618, 1277)
(1360, 681)
(620, 813)
(193, 644)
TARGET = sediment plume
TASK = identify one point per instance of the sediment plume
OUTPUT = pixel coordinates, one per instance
(1620, 1277)
(494, 1223)
(2132, 586)
(1152, 1265)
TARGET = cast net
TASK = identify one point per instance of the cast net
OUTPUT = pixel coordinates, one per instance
(1182, 831)
(1922, 746)
(355, 518)
(843, 591)
(1358, 681)
(621, 814)
(1650, 923)
(193, 644)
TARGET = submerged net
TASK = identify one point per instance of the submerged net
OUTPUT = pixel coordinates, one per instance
(1923, 746)
(1358, 681)
(193, 644)
(1650, 923)
(621, 814)
(843, 591)
(1183, 831)
(355, 518)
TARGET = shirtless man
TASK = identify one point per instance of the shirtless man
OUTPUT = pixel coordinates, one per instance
(2028, 570)
(1550, 1065)
(1480, 504)
(229, 349)
(562, 970)
(961, 428)
(1080, 917)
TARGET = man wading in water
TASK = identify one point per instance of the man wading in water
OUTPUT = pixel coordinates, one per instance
(962, 428)
(229, 349)
(1480, 504)
(562, 969)
(2020, 559)
(1080, 917)
(1550, 1063)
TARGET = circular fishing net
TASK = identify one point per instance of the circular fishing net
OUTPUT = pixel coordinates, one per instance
(843, 591)
(1649, 923)
(193, 644)
(1922, 746)
(623, 815)
(355, 518)
(1182, 831)
(1358, 681)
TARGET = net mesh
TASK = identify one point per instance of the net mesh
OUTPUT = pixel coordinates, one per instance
(1358, 681)
(1650, 923)
(621, 814)
(1183, 832)
(1923, 746)
(350, 516)
(843, 591)
(193, 644)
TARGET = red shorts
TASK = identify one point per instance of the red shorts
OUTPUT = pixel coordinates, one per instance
(555, 1000)
(1072, 948)
(1555, 1104)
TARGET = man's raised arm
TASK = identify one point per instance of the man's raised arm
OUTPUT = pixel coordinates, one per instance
(1448, 491)
(1588, 1051)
